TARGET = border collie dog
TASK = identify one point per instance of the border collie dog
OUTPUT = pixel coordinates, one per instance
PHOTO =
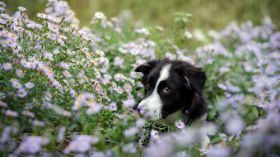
(172, 88)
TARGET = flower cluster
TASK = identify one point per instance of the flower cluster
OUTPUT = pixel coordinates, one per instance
(243, 61)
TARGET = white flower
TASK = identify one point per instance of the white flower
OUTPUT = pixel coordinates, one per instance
(118, 61)
(127, 87)
(119, 77)
(29, 85)
(61, 134)
(223, 70)
(170, 56)
(15, 83)
(38, 123)
(180, 124)
(199, 35)
(7, 66)
(21, 92)
(56, 51)
(67, 74)
(21, 8)
(119, 90)
(106, 79)
(28, 114)
(154, 135)
(83, 100)
(187, 59)
(187, 35)
(64, 65)
(143, 31)
(99, 16)
(54, 28)
(134, 75)
(19, 73)
(48, 56)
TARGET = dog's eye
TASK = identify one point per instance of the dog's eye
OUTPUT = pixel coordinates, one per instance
(167, 90)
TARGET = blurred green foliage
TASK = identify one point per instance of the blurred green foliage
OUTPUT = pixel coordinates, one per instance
(206, 14)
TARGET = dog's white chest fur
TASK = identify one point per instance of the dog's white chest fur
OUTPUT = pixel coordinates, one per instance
(152, 105)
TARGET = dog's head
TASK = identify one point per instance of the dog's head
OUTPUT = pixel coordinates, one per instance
(172, 86)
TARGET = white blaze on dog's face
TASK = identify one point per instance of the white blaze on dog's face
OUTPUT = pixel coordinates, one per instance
(152, 105)
(171, 86)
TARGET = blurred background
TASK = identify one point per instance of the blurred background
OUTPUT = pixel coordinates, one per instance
(206, 14)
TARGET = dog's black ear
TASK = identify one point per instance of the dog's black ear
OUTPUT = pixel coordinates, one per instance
(195, 78)
(147, 67)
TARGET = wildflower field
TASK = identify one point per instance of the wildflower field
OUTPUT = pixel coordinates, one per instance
(67, 90)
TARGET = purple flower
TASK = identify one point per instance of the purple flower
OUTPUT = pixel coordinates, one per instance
(180, 124)
(218, 151)
(140, 122)
(112, 106)
(129, 148)
(5, 134)
(81, 144)
(130, 102)
(3, 104)
(160, 149)
(275, 40)
(72, 93)
(11, 113)
(29, 85)
(61, 134)
(119, 61)
(235, 125)
(130, 132)
(94, 108)
(31, 144)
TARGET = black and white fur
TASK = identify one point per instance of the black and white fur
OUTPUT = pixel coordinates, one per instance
(172, 87)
